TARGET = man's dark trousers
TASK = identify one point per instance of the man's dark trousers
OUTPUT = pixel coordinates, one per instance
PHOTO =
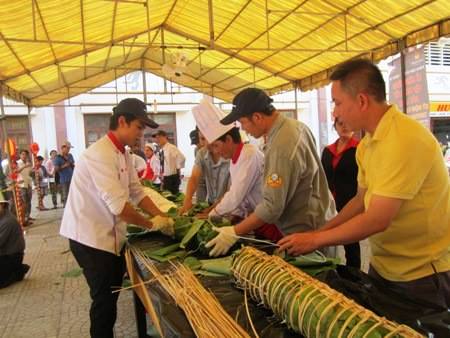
(12, 269)
(172, 183)
(104, 273)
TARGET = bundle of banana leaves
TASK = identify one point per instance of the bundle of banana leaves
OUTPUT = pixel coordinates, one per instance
(176, 198)
(192, 233)
(307, 305)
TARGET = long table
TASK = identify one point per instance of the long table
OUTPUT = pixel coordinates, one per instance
(352, 282)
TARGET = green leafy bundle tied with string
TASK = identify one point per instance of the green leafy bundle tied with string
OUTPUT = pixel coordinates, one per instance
(308, 306)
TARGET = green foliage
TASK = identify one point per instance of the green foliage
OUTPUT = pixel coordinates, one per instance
(216, 267)
(220, 266)
(204, 235)
(166, 253)
(196, 226)
(198, 207)
(176, 198)
(312, 263)
(192, 263)
(172, 212)
(134, 229)
(150, 184)
(73, 273)
(163, 251)
(181, 226)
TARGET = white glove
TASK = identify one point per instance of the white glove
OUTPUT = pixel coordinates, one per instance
(163, 225)
(223, 241)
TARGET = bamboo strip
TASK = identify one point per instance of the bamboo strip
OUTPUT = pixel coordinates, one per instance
(203, 311)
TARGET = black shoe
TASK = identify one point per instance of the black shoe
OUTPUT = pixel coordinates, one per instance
(21, 274)
(17, 276)
(25, 268)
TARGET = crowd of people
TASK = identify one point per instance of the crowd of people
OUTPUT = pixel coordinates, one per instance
(46, 176)
(281, 190)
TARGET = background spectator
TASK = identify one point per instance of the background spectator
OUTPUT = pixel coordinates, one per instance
(339, 163)
(24, 180)
(12, 247)
(50, 167)
(64, 165)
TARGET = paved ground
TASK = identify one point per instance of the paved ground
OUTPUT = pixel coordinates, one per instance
(48, 305)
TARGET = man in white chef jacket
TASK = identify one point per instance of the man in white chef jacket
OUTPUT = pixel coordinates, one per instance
(246, 169)
(103, 190)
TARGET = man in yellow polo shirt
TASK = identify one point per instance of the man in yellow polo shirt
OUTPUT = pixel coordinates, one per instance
(403, 199)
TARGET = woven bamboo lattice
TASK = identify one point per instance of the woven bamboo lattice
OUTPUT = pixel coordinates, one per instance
(203, 311)
(308, 306)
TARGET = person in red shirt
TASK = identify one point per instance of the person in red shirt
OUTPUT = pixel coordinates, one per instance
(339, 163)
(152, 170)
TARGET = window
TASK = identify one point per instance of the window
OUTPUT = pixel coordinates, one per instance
(17, 128)
(95, 127)
(167, 122)
(437, 54)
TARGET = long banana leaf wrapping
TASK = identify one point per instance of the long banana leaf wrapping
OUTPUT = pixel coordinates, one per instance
(307, 305)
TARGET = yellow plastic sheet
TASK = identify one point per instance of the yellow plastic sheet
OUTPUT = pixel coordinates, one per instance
(52, 50)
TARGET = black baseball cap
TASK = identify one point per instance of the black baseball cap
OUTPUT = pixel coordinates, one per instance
(193, 135)
(137, 108)
(247, 102)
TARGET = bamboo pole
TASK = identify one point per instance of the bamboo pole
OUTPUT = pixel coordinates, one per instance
(308, 306)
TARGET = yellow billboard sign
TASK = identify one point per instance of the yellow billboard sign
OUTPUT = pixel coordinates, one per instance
(439, 109)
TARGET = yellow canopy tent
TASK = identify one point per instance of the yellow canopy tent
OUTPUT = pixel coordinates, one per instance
(51, 50)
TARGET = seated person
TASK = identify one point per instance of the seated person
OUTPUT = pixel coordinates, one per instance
(12, 246)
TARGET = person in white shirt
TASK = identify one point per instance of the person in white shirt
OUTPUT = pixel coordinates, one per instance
(246, 169)
(49, 165)
(103, 190)
(24, 180)
(246, 173)
(172, 161)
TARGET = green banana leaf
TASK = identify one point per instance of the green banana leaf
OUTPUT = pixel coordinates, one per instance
(216, 267)
(221, 266)
(134, 229)
(311, 259)
(179, 254)
(164, 251)
(195, 227)
(192, 263)
(198, 207)
(172, 212)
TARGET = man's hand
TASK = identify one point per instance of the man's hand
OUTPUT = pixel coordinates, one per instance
(299, 243)
(223, 241)
(163, 225)
(202, 215)
(187, 205)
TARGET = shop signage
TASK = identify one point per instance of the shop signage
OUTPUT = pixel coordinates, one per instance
(439, 109)
(417, 102)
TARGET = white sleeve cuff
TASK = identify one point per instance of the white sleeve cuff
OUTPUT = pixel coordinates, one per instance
(116, 206)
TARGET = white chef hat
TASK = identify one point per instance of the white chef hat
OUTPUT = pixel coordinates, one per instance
(208, 116)
(150, 145)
